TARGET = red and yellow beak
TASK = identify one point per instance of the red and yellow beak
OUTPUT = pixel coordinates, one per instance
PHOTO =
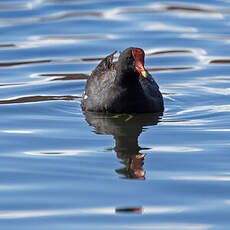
(144, 73)
(141, 69)
(139, 57)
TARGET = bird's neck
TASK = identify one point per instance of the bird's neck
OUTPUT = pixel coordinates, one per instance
(127, 79)
(127, 144)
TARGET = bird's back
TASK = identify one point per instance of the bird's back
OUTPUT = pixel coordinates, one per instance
(99, 85)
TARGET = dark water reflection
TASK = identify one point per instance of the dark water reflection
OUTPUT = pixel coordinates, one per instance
(129, 210)
(39, 98)
(125, 129)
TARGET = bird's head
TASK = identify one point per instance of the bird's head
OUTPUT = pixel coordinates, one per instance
(132, 60)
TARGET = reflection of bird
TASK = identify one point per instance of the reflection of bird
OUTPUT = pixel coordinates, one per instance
(122, 87)
(133, 166)
(125, 130)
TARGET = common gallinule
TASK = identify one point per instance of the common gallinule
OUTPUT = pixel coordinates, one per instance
(122, 87)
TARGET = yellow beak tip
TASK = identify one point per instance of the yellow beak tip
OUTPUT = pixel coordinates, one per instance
(144, 73)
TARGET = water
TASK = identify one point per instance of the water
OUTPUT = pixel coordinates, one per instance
(63, 169)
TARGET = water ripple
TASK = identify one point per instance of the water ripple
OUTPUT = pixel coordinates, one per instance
(178, 149)
(58, 152)
(39, 98)
(202, 178)
(84, 211)
(29, 62)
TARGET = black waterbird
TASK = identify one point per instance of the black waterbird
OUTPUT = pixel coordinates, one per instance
(122, 87)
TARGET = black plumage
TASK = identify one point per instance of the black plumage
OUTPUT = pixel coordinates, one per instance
(122, 87)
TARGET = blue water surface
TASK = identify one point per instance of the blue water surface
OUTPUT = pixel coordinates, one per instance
(64, 169)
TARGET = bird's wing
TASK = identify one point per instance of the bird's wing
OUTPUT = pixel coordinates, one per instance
(101, 78)
(105, 65)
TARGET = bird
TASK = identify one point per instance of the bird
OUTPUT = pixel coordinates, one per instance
(124, 86)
